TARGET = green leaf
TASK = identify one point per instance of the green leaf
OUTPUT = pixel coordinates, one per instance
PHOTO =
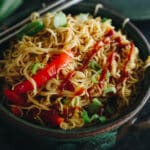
(60, 20)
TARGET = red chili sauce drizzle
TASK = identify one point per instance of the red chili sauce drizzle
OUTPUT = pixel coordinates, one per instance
(120, 43)
(124, 73)
(96, 48)
(106, 68)
(66, 84)
(68, 112)
(79, 92)
(91, 54)
(109, 33)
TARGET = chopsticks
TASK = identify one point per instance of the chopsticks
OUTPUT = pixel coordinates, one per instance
(28, 18)
(56, 6)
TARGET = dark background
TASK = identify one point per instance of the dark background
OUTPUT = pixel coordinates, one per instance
(10, 140)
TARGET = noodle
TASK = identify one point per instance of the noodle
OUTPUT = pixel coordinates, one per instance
(103, 64)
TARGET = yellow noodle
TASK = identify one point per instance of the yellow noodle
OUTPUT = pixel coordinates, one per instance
(79, 36)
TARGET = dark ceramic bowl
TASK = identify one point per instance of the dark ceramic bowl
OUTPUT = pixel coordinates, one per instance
(102, 134)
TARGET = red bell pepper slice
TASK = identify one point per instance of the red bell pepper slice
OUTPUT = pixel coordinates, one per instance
(16, 111)
(14, 98)
(52, 118)
(56, 120)
(45, 74)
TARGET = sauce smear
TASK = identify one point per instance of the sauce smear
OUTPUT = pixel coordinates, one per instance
(124, 74)
(106, 68)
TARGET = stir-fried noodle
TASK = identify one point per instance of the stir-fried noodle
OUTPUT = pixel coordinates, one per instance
(73, 74)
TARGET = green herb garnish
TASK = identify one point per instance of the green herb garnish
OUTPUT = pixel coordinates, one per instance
(31, 29)
(83, 17)
(94, 65)
(111, 89)
(35, 67)
(60, 20)
(88, 119)
(95, 105)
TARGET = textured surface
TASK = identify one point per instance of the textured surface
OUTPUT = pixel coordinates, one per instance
(129, 8)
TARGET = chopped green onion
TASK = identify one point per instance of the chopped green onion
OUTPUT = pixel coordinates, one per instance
(104, 19)
(83, 17)
(109, 109)
(94, 117)
(102, 119)
(88, 119)
(93, 78)
(31, 28)
(94, 106)
(60, 20)
(64, 101)
(99, 71)
(85, 116)
(35, 67)
(108, 75)
(93, 64)
(75, 101)
(96, 100)
(111, 89)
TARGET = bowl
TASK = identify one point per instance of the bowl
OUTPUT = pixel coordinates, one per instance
(103, 135)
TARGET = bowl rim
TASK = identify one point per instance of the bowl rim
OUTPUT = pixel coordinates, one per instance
(77, 133)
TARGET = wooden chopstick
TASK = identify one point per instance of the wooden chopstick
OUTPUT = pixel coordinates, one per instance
(55, 7)
(51, 6)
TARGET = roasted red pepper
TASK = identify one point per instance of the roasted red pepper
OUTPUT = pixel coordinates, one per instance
(56, 120)
(16, 111)
(14, 98)
(52, 118)
(45, 74)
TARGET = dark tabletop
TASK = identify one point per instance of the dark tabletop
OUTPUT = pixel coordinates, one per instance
(134, 140)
